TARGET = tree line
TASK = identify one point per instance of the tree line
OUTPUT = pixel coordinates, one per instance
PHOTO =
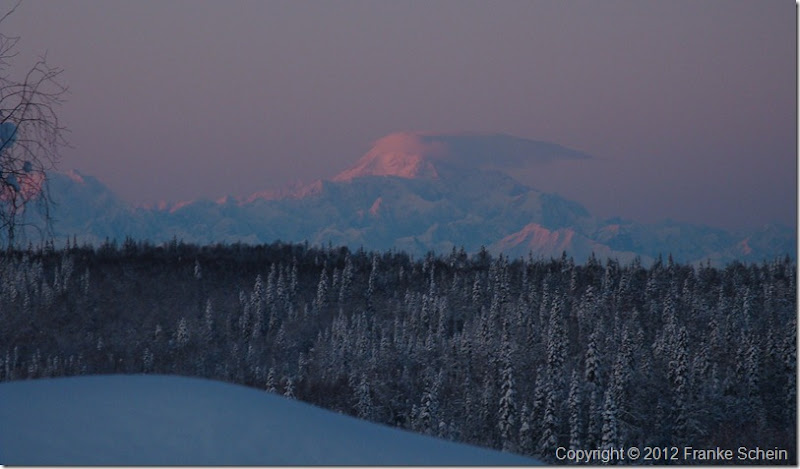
(521, 355)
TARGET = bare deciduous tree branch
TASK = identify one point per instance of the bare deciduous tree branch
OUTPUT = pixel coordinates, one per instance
(31, 137)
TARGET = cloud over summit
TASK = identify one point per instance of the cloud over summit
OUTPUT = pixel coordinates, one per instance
(423, 154)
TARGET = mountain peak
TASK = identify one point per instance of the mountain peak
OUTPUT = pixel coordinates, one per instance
(401, 154)
(414, 155)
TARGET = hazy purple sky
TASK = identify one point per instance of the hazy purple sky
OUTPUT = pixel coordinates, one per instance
(690, 106)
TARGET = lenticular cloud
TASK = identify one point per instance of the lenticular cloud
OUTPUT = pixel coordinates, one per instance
(423, 154)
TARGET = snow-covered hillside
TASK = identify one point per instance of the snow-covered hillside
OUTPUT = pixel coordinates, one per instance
(170, 420)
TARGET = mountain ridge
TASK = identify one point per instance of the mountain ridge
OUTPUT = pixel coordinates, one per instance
(418, 192)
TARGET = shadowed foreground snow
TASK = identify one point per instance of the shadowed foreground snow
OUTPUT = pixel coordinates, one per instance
(169, 420)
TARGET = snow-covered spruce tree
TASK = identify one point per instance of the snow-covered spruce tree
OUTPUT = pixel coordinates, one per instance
(372, 283)
(554, 384)
(507, 421)
(679, 378)
(789, 388)
(477, 295)
(427, 421)
(282, 303)
(621, 382)
(556, 342)
(548, 441)
(258, 305)
(526, 437)
(244, 322)
(575, 413)
(147, 361)
(271, 292)
(270, 385)
(180, 344)
(208, 324)
(346, 282)
(538, 401)
(610, 438)
(288, 390)
(198, 270)
(364, 406)
(753, 396)
(182, 334)
(594, 389)
(321, 300)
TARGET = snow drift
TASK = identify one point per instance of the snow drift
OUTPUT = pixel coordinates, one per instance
(170, 420)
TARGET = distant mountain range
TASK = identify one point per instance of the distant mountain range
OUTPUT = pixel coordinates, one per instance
(414, 192)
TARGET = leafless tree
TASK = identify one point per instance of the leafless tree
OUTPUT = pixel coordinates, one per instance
(31, 137)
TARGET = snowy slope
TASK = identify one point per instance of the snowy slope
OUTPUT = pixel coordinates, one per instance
(170, 420)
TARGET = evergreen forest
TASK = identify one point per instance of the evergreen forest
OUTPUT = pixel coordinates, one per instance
(520, 355)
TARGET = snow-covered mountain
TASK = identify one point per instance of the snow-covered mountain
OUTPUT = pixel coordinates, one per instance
(417, 192)
(168, 420)
(542, 242)
(85, 207)
(426, 154)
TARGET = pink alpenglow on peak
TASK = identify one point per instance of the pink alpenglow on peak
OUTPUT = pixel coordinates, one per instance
(295, 190)
(75, 176)
(534, 235)
(413, 155)
(402, 154)
(537, 240)
(744, 246)
(376, 206)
